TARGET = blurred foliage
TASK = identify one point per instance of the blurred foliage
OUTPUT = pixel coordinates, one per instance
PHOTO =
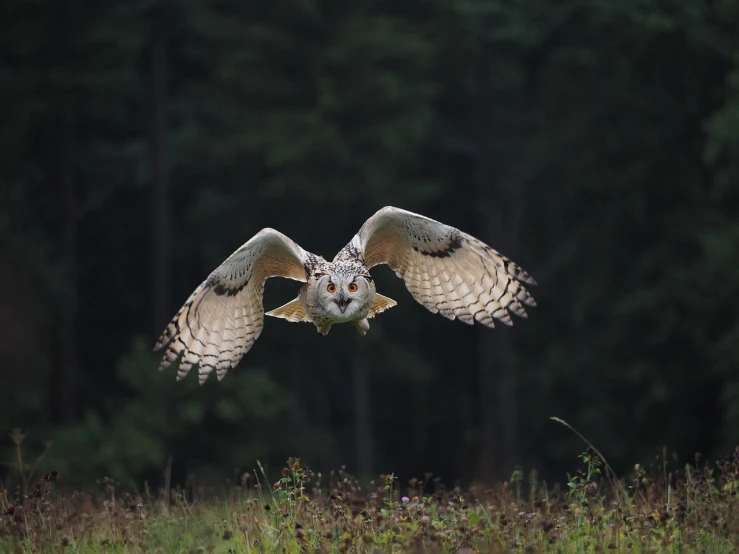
(308, 116)
(133, 433)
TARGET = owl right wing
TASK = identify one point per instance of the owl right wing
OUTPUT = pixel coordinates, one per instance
(446, 270)
(223, 317)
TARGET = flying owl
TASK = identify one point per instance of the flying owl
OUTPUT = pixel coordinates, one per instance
(446, 270)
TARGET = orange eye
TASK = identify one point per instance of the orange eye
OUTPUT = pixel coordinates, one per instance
(331, 287)
(352, 287)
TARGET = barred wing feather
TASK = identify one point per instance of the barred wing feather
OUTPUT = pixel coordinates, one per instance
(223, 317)
(447, 271)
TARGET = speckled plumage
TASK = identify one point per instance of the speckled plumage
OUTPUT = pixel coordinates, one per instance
(447, 271)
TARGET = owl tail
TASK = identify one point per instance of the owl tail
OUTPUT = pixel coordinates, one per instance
(292, 311)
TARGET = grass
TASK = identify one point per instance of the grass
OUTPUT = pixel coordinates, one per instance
(688, 510)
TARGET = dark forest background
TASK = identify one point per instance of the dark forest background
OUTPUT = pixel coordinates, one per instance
(594, 142)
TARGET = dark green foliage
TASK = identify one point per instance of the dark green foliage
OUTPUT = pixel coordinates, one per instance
(627, 258)
(136, 432)
(612, 134)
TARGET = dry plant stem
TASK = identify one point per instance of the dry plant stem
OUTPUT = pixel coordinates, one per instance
(32, 471)
(19, 457)
(17, 436)
(3, 497)
(167, 476)
(611, 474)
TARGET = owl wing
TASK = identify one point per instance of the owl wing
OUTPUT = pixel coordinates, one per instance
(447, 271)
(223, 317)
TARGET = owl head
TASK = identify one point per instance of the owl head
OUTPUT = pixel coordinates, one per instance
(343, 294)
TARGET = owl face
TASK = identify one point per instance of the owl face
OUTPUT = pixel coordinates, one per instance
(344, 297)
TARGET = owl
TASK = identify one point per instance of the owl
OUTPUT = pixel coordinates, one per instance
(446, 270)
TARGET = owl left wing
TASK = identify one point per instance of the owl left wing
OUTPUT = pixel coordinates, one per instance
(447, 271)
(223, 317)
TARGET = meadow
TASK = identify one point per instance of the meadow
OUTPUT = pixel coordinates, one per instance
(655, 509)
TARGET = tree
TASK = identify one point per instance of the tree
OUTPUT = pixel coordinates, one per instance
(161, 224)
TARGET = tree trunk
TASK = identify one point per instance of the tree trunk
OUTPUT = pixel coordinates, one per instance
(67, 362)
(299, 419)
(160, 179)
(362, 410)
(499, 207)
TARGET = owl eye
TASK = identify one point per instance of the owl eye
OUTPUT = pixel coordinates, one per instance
(331, 287)
(352, 287)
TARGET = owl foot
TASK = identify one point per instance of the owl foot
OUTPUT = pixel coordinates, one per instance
(362, 326)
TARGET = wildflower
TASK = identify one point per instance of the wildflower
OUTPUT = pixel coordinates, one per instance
(425, 519)
(405, 499)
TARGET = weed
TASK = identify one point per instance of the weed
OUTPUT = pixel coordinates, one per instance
(652, 510)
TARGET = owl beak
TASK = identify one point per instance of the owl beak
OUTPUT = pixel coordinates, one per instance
(342, 302)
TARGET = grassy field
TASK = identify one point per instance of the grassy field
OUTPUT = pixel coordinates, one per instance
(689, 510)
